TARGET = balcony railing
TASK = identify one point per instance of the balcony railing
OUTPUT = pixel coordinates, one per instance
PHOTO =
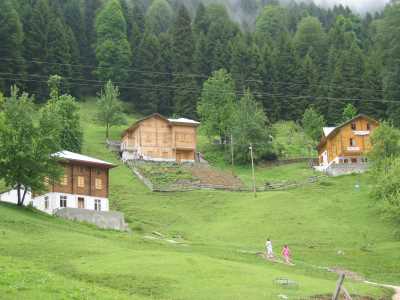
(353, 149)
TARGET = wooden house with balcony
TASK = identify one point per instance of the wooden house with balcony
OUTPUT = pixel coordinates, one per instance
(84, 184)
(347, 145)
(157, 138)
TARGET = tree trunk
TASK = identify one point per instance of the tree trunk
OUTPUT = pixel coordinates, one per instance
(23, 196)
(19, 195)
(107, 130)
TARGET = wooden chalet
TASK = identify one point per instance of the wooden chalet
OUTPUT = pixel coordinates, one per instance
(84, 184)
(347, 143)
(157, 138)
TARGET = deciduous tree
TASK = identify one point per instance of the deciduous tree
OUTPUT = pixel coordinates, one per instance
(26, 146)
(109, 108)
(217, 105)
(250, 126)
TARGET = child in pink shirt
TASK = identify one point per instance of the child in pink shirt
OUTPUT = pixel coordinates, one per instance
(286, 254)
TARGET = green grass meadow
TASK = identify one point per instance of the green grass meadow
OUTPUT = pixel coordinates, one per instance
(328, 224)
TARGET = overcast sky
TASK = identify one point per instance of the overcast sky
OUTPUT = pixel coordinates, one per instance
(359, 5)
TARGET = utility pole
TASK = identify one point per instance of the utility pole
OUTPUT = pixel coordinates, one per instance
(232, 152)
(252, 168)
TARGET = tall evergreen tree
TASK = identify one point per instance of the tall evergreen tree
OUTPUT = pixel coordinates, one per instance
(90, 10)
(11, 39)
(113, 51)
(372, 93)
(183, 51)
(246, 65)
(159, 17)
(310, 35)
(166, 78)
(47, 47)
(148, 88)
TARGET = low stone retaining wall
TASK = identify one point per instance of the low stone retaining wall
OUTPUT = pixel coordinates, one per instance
(102, 219)
(275, 163)
(346, 169)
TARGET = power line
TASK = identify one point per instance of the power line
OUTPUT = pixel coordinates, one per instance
(197, 90)
(257, 94)
(191, 75)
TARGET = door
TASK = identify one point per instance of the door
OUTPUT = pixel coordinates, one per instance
(325, 158)
(81, 203)
(179, 156)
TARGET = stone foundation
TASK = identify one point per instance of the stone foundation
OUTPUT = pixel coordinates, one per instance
(105, 220)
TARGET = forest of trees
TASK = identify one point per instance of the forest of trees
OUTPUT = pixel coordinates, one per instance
(160, 53)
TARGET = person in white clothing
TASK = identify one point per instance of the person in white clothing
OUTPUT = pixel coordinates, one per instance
(269, 250)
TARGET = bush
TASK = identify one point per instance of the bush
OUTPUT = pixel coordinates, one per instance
(386, 190)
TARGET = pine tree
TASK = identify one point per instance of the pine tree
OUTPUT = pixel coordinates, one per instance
(113, 52)
(73, 15)
(272, 23)
(267, 77)
(310, 35)
(245, 65)
(11, 39)
(59, 53)
(183, 51)
(47, 46)
(310, 88)
(166, 79)
(159, 17)
(149, 64)
(137, 30)
(200, 58)
(91, 8)
(36, 45)
(201, 23)
(373, 89)
(388, 43)
(286, 78)
(221, 31)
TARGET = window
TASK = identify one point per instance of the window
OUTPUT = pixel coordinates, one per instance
(97, 205)
(81, 202)
(82, 169)
(364, 160)
(98, 171)
(352, 143)
(346, 161)
(368, 126)
(63, 201)
(64, 180)
(354, 160)
(99, 184)
(353, 126)
(81, 181)
(46, 202)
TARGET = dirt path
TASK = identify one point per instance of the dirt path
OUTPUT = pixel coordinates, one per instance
(396, 296)
(353, 276)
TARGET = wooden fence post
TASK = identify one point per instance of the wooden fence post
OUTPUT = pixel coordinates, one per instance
(338, 287)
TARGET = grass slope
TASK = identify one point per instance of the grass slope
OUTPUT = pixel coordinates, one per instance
(47, 258)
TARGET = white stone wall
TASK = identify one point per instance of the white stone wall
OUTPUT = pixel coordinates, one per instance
(12, 197)
(130, 155)
(54, 201)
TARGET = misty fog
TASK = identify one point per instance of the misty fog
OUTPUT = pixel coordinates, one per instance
(360, 6)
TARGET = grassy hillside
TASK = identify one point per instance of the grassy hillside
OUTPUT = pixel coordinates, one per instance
(43, 257)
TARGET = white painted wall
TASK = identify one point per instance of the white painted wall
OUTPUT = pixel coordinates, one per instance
(54, 201)
(12, 197)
